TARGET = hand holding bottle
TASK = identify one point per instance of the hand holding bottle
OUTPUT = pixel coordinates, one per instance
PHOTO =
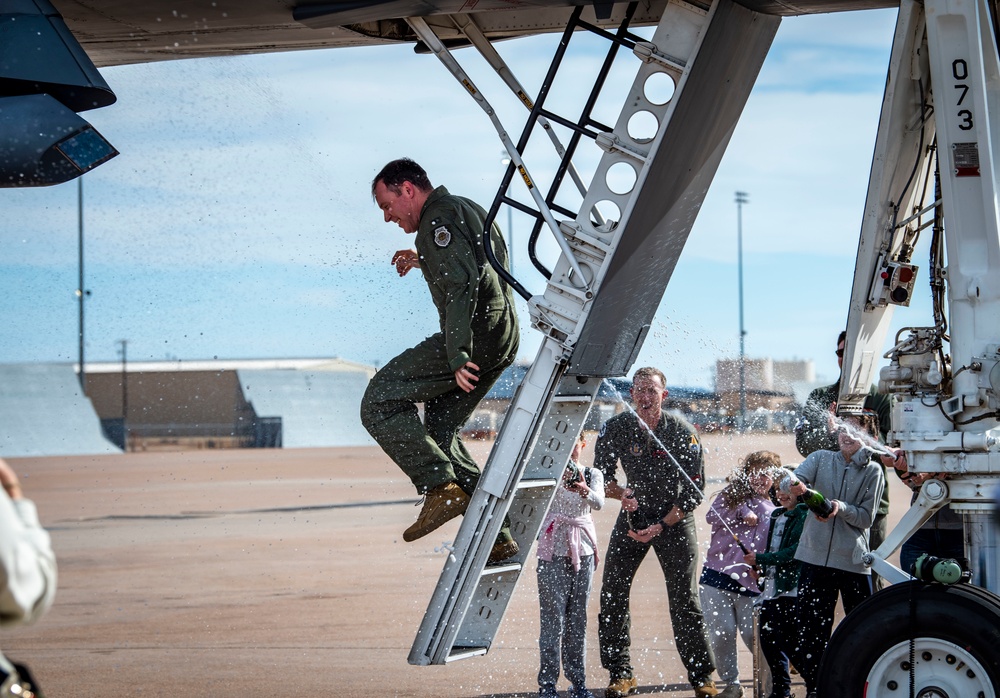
(817, 503)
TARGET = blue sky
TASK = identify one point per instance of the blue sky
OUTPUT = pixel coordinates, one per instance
(237, 221)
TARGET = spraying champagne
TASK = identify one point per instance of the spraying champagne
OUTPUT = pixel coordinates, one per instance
(817, 503)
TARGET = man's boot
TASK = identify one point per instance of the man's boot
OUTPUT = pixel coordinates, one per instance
(621, 687)
(501, 551)
(441, 505)
(705, 689)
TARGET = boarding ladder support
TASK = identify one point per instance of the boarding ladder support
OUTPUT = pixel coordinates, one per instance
(601, 295)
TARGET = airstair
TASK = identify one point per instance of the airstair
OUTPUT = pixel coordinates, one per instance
(618, 251)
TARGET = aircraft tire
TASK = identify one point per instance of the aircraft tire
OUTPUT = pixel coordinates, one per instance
(956, 645)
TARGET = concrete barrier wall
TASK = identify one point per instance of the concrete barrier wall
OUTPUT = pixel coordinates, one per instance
(43, 412)
(317, 408)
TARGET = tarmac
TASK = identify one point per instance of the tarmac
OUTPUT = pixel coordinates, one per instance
(283, 573)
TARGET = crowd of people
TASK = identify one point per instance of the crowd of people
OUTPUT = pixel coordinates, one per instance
(766, 552)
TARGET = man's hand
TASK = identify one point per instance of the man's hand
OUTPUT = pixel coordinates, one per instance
(674, 517)
(647, 534)
(405, 260)
(8, 478)
(831, 418)
(836, 508)
(916, 480)
(629, 502)
(897, 460)
(467, 376)
(750, 558)
(613, 490)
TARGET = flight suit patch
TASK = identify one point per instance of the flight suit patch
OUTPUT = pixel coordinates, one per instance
(442, 236)
(694, 446)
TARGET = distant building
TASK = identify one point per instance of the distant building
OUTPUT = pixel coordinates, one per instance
(788, 375)
(770, 390)
(289, 403)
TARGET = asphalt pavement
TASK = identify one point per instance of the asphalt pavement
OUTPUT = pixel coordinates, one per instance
(284, 573)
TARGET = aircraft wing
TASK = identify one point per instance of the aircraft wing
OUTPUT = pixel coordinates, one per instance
(117, 33)
(50, 51)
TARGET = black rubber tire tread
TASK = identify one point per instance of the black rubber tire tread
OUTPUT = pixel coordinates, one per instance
(966, 615)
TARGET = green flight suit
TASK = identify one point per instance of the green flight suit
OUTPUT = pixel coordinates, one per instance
(658, 485)
(478, 323)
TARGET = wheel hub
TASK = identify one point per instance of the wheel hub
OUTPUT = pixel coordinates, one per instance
(940, 669)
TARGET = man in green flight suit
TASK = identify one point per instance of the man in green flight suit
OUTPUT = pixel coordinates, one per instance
(450, 371)
(815, 431)
(652, 446)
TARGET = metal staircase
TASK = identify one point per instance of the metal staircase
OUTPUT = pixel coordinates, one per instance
(618, 253)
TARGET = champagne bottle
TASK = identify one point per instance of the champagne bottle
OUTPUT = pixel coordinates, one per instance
(817, 503)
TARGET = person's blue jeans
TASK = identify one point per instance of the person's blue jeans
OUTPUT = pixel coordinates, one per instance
(942, 542)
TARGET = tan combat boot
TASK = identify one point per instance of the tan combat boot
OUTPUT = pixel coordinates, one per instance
(706, 690)
(502, 551)
(619, 688)
(441, 505)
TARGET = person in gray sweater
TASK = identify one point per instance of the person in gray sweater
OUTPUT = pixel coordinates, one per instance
(831, 548)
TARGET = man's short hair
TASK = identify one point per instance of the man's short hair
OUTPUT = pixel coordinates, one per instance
(402, 170)
(842, 337)
(650, 372)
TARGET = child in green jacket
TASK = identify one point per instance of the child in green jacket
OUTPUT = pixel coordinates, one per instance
(778, 612)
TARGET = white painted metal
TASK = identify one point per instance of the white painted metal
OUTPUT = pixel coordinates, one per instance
(944, 86)
(904, 135)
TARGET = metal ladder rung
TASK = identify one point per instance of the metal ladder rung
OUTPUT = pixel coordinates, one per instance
(501, 568)
(458, 653)
(572, 399)
(536, 484)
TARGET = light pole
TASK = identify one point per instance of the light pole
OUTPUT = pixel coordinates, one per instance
(124, 343)
(741, 198)
(80, 293)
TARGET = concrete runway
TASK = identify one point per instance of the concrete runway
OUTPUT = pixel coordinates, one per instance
(283, 573)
